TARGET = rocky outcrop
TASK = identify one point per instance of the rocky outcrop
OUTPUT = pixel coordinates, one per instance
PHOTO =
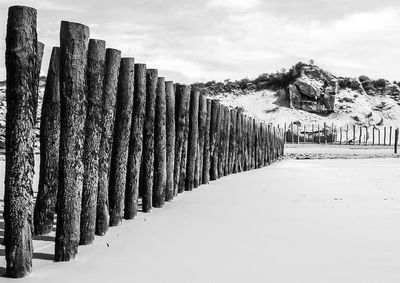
(312, 90)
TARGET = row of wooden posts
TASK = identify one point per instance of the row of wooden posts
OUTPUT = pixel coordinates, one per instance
(349, 134)
(111, 132)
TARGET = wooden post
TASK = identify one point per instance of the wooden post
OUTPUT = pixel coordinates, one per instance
(347, 134)
(298, 133)
(214, 128)
(340, 138)
(170, 131)
(366, 135)
(396, 139)
(359, 141)
(110, 87)
(160, 153)
(49, 149)
(304, 134)
(147, 170)
(123, 124)
(285, 135)
(384, 136)
(390, 135)
(135, 143)
(373, 135)
(192, 138)
(232, 140)
(226, 141)
(200, 145)
(379, 136)
(182, 177)
(354, 134)
(325, 137)
(95, 78)
(292, 131)
(206, 154)
(21, 96)
(182, 97)
(221, 140)
(319, 135)
(238, 163)
(73, 63)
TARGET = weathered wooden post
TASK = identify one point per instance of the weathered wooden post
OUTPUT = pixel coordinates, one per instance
(226, 141)
(384, 136)
(396, 139)
(354, 134)
(340, 138)
(182, 98)
(325, 136)
(110, 87)
(373, 135)
(379, 136)
(135, 143)
(200, 145)
(304, 133)
(292, 131)
(359, 141)
(146, 171)
(95, 79)
(206, 154)
(232, 140)
(319, 135)
(74, 42)
(49, 149)
(192, 138)
(214, 128)
(238, 163)
(347, 134)
(170, 132)
(160, 153)
(21, 96)
(221, 140)
(122, 130)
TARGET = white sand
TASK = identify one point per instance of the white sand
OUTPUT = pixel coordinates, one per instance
(295, 221)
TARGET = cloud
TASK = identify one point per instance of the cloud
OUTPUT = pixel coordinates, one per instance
(234, 4)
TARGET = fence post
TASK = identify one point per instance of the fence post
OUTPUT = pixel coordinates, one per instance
(379, 136)
(95, 79)
(21, 95)
(73, 61)
(192, 138)
(206, 154)
(49, 149)
(232, 141)
(170, 143)
(285, 135)
(373, 135)
(182, 98)
(347, 134)
(119, 159)
(111, 73)
(396, 139)
(319, 135)
(135, 143)
(304, 134)
(384, 136)
(326, 140)
(390, 135)
(160, 146)
(214, 128)
(200, 147)
(340, 141)
(146, 178)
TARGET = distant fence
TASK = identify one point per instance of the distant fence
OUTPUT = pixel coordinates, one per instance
(111, 132)
(339, 135)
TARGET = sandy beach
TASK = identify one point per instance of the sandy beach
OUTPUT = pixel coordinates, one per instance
(298, 221)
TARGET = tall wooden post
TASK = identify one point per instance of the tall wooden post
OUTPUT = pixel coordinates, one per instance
(170, 132)
(49, 149)
(373, 135)
(21, 94)
(135, 143)
(319, 135)
(214, 128)
(122, 130)
(390, 135)
(95, 78)
(232, 140)
(110, 87)
(200, 147)
(347, 134)
(359, 141)
(325, 135)
(354, 134)
(192, 139)
(396, 140)
(226, 141)
(292, 131)
(74, 42)
(146, 171)
(379, 136)
(206, 155)
(160, 153)
(384, 136)
(182, 98)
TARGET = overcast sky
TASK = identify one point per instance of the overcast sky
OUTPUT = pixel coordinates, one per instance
(201, 40)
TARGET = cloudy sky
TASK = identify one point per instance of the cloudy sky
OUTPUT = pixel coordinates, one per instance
(200, 40)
